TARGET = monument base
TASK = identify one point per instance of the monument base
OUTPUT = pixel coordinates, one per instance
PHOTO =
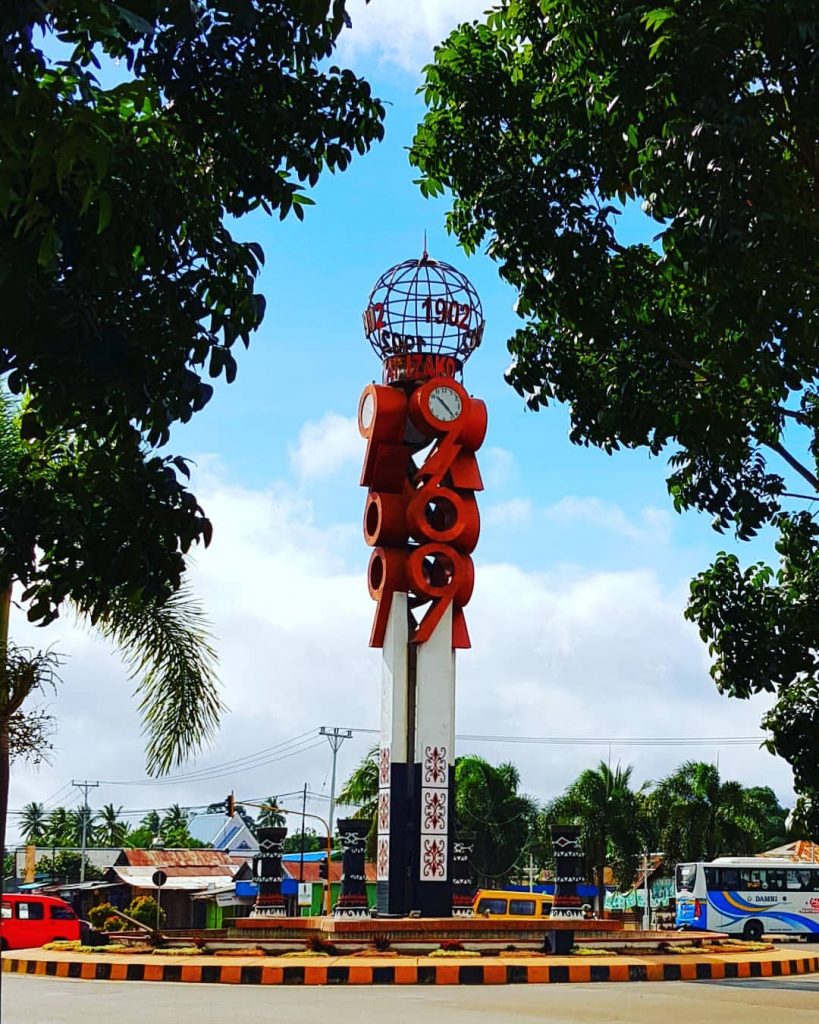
(422, 934)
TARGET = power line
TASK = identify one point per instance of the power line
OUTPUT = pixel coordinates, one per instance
(605, 741)
(236, 762)
(207, 774)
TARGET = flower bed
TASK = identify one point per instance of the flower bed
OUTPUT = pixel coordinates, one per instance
(454, 953)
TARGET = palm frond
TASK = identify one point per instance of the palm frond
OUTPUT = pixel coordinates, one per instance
(168, 648)
(12, 446)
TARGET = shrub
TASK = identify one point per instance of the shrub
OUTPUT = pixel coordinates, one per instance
(316, 944)
(144, 910)
(99, 914)
(114, 924)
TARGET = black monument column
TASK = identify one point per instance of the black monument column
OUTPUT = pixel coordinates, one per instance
(569, 873)
(463, 879)
(353, 900)
(267, 869)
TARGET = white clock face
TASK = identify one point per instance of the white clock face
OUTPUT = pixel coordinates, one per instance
(366, 411)
(445, 404)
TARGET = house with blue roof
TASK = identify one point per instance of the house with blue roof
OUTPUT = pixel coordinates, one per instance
(222, 833)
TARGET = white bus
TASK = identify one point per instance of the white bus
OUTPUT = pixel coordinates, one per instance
(749, 896)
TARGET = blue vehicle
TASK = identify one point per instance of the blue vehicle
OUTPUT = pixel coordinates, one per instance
(749, 896)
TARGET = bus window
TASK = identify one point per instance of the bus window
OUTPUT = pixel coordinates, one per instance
(712, 880)
(490, 906)
(522, 907)
(776, 880)
(5, 910)
(686, 876)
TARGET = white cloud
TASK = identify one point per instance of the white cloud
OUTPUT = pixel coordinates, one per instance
(654, 524)
(508, 513)
(404, 33)
(594, 654)
(326, 446)
(499, 468)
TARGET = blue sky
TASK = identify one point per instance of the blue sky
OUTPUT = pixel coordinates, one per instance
(582, 567)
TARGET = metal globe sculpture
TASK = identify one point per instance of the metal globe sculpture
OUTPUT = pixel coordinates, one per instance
(423, 319)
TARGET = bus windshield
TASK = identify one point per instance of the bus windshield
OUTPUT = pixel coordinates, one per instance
(686, 876)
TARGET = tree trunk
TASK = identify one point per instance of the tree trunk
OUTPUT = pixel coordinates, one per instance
(5, 761)
(5, 773)
(601, 890)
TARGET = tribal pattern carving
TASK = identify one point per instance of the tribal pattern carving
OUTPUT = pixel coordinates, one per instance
(435, 766)
(434, 811)
(433, 866)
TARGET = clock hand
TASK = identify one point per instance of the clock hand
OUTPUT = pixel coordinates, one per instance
(443, 403)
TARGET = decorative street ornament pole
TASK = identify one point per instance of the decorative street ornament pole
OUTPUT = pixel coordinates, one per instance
(267, 869)
(353, 899)
(422, 427)
(569, 873)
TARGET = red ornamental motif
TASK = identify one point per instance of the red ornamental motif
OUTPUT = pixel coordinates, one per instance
(434, 858)
(384, 767)
(435, 765)
(383, 812)
(434, 812)
(383, 858)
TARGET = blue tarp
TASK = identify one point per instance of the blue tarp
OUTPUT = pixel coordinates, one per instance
(586, 892)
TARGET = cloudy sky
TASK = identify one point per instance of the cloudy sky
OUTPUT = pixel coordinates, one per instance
(582, 569)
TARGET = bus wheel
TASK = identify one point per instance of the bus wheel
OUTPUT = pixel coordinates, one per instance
(752, 932)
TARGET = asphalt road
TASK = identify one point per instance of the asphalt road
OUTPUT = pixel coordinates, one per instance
(41, 1000)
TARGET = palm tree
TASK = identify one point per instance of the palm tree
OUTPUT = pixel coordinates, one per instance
(152, 822)
(268, 816)
(76, 818)
(33, 823)
(110, 830)
(59, 828)
(165, 643)
(488, 804)
(361, 791)
(703, 817)
(603, 803)
(174, 818)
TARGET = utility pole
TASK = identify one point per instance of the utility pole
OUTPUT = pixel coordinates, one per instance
(646, 907)
(303, 813)
(336, 737)
(84, 786)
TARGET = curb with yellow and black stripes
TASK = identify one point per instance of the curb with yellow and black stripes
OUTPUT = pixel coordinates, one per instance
(410, 972)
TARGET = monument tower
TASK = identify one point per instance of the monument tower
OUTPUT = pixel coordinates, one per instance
(423, 428)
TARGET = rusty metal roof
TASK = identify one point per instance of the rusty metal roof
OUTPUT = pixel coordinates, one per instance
(175, 860)
(141, 878)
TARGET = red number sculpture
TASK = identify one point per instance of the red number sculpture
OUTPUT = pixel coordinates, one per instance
(422, 521)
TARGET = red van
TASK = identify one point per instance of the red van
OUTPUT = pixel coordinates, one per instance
(27, 920)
